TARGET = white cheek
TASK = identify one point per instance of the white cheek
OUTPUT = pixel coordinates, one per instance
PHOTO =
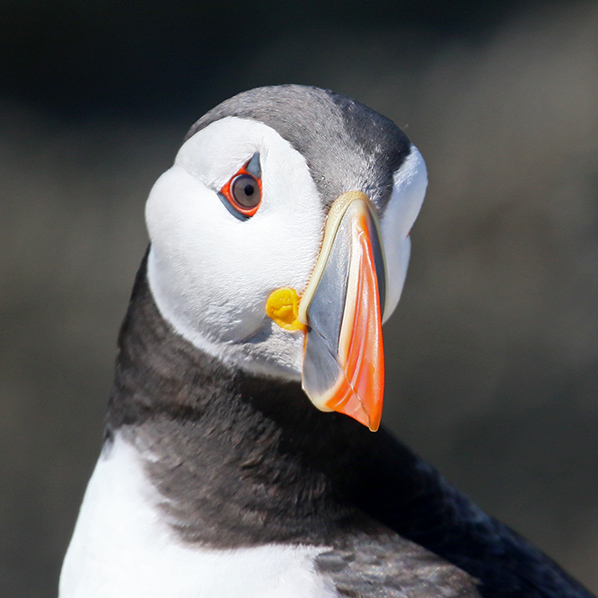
(410, 183)
(212, 273)
(184, 274)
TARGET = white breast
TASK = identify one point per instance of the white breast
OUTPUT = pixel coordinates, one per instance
(122, 548)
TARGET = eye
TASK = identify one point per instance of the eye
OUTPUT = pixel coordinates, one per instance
(245, 190)
(243, 193)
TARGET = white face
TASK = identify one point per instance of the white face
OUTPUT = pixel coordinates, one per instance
(211, 273)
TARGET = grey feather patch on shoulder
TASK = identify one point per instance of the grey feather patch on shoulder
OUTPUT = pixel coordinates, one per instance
(347, 145)
(388, 566)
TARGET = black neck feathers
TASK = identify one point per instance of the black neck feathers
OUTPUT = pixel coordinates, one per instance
(243, 460)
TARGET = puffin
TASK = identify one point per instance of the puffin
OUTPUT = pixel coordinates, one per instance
(243, 453)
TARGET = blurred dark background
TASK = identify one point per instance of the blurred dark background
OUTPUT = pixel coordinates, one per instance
(492, 355)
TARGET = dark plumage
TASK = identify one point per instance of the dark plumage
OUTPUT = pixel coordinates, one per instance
(245, 461)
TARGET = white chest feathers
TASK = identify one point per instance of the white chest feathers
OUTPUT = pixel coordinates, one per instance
(122, 548)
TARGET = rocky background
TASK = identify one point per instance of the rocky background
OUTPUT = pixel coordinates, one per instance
(493, 352)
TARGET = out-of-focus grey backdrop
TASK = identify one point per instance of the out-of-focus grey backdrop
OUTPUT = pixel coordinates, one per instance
(492, 355)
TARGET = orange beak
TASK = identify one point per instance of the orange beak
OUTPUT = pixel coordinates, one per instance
(342, 307)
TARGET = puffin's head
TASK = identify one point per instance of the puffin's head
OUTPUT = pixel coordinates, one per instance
(280, 239)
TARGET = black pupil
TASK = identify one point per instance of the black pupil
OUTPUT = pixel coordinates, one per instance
(245, 191)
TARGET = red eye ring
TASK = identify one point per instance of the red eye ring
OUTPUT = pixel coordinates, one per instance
(229, 189)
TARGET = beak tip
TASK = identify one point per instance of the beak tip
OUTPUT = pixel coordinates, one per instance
(374, 425)
(354, 408)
